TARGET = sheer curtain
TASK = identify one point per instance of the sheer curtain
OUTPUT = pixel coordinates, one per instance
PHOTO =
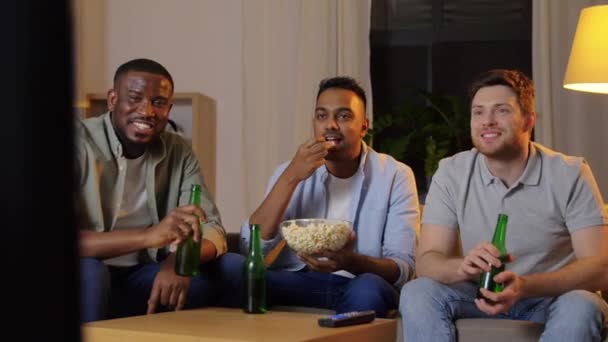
(288, 47)
(571, 122)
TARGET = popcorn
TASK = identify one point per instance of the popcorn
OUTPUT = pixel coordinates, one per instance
(314, 236)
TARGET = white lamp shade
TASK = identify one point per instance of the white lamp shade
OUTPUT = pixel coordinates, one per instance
(588, 64)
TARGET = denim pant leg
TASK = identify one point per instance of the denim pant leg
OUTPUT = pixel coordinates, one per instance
(303, 288)
(94, 290)
(131, 288)
(220, 283)
(430, 308)
(576, 316)
(368, 292)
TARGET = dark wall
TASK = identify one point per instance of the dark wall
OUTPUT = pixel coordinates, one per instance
(40, 284)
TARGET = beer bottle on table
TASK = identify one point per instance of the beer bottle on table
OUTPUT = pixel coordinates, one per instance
(486, 279)
(254, 274)
(188, 257)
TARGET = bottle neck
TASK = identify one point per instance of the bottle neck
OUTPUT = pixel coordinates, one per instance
(195, 196)
(500, 233)
(255, 244)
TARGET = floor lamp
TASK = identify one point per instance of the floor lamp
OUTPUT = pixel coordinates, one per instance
(588, 64)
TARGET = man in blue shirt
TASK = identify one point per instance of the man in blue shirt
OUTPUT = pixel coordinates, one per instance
(336, 175)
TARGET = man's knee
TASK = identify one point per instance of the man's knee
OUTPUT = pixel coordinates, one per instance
(371, 282)
(418, 293)
(231, 263)
(94, 272)
(372, 291)
(582, 305)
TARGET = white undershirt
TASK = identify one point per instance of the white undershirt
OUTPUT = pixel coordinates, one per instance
(133, 211)
(339, 199)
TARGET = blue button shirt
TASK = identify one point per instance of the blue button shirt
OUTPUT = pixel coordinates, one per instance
(384, 211)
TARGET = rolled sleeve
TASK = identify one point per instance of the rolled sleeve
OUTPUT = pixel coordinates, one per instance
(213, 229)
(402, 223)
(267, 245)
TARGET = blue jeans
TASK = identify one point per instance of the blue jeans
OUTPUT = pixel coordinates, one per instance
(325, 290)
(110, 292)
(429, 310)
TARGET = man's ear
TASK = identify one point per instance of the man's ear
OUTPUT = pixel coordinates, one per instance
(365, 127)
(112, 99)
(530, 121)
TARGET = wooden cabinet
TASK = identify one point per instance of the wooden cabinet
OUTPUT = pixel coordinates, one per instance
(194, 115)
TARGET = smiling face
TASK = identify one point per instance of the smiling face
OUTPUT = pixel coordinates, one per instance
(499, 129)
(340, 118)
(140, 103)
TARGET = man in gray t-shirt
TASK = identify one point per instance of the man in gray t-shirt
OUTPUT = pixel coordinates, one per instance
(557, 233)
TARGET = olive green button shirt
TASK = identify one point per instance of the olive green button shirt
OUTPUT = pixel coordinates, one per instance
(171, 168)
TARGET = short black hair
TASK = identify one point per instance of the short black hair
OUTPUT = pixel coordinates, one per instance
(516, 80)
(143, 65)
(343, 82)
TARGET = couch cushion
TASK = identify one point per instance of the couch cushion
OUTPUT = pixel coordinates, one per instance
(497, 330)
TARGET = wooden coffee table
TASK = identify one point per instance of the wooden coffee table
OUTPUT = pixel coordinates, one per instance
(223, 324)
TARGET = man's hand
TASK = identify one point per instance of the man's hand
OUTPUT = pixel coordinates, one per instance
(329, 261)
(180, 223)
(309, 156)
(478, 260)
(169, 289)
(502, 301)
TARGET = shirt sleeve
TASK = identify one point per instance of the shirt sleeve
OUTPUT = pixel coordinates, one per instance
(402, 223)
(213, 230)
(585, 205)
(440, 203)
(267, 245)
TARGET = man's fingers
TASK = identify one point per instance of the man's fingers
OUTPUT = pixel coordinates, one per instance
(510, 257)
(480, 263)
(192, 222)
(483, 305)
(321, 147)
(503, 277)
(173, 297)
(153, 300)
(471, 270)
(312, 141)
(165, 294)
(181, 300)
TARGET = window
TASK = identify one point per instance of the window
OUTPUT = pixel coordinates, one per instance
(424, 53)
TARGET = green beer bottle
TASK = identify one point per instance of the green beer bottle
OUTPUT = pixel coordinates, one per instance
(486, 279)
(254, 274)
(188, 257)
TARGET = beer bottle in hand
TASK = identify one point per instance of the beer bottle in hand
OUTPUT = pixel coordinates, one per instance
(188, 257)
(254, 275)
(486, 279)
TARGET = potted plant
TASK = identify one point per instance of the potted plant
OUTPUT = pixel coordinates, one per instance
(427, 128)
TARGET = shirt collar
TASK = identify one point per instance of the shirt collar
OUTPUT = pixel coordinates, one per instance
(115, 145)
(530, 176)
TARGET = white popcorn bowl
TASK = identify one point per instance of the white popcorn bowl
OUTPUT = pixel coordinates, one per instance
(311, 236)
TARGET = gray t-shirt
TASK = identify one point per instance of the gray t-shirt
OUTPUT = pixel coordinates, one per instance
(555, 196)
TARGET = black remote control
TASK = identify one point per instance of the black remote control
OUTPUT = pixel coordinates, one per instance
(347, 318)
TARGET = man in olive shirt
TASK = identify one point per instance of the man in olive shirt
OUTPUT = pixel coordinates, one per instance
(557, 232)
(134, 189)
